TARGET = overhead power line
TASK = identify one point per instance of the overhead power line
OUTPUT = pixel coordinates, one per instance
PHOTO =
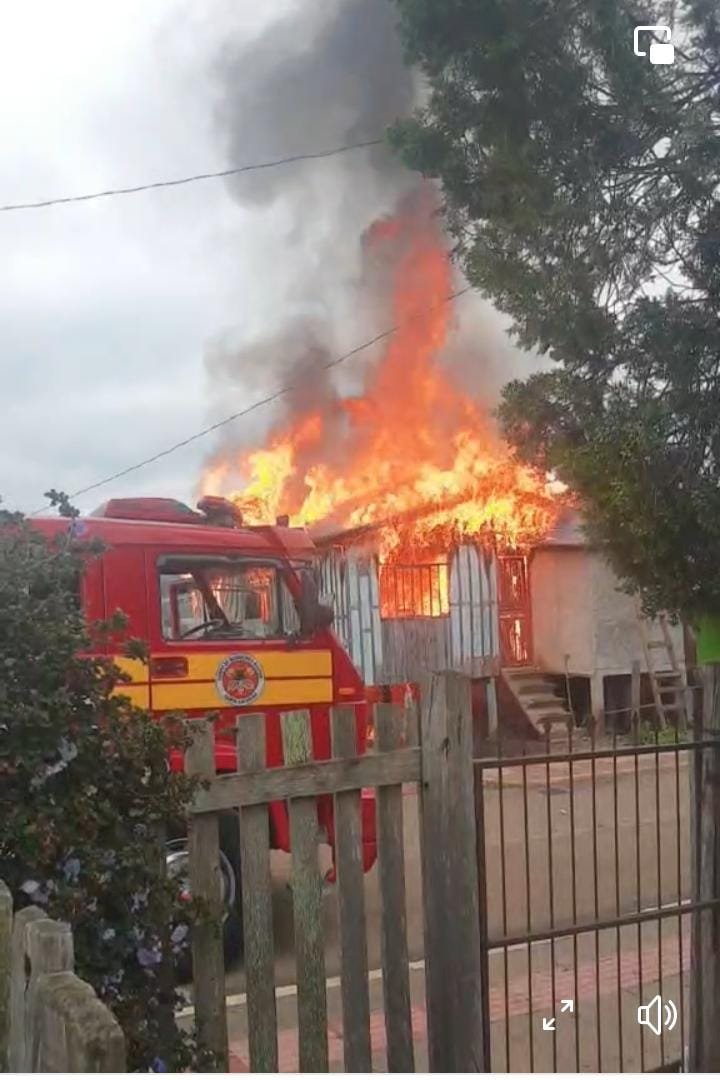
(189, 179)
(252, 408)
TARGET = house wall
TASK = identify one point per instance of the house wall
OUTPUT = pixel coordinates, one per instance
(578, 610)
(618, 642)
(561, 591)
(399, 650)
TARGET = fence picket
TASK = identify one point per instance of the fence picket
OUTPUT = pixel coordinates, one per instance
(436, 868)
(351, 904)
(53, 1021)
(18, 985)
(206, 887)
(307, 904)
(463, 910)
(390, 731)
(449, 870)
(257, 906)
(6, 914)
(78, 1033)
(49, 949)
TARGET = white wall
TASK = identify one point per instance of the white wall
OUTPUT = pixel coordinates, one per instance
(618, 643)
(578, 610)
(561, 597)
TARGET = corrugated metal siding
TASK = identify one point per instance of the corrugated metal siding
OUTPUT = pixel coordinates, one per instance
(404, 650)
(350, 584)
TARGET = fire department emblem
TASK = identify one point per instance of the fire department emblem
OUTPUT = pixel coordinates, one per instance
(240, 679)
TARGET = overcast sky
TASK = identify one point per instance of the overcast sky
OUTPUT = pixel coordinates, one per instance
(127, 324)
(107, 308)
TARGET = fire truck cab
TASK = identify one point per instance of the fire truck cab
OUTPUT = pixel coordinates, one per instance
(233, 624)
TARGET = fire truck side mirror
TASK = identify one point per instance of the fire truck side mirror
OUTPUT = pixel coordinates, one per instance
(314, 616)
(324, 617)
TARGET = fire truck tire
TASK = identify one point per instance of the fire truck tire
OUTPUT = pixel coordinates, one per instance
(230, 867)
(233, 925)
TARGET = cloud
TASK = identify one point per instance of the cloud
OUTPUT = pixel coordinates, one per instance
(106, 307)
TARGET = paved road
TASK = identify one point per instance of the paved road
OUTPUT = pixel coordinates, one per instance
(601, 1034)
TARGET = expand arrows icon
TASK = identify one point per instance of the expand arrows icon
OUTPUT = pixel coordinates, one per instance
(566, 1005)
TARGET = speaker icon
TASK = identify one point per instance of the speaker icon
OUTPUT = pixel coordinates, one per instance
(658, 1014)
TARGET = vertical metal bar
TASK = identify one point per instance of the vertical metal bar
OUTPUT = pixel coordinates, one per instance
(461, 605)
(528, 903)
(658, 841)
(573, 873)
(503, 897)
(483, 913)
(483, 583)
(618, 942)
(593, 782)
(678, 853)
(696, 835)
(638, 882)
(375, 629)
(551, 887)
(471, 603)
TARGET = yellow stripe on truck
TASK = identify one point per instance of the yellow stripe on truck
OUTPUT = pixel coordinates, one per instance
(276, 664)
(136, 669)
(189, 695)
(139, 695)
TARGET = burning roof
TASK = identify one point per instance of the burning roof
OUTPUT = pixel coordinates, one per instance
(415, 455)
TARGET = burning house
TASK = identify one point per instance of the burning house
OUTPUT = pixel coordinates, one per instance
(422, 514)
(438, 548)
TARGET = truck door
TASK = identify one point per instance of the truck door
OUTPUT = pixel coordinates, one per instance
(223, 631)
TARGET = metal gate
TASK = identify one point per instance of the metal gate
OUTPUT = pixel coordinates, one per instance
(514, 611)
(588, 892)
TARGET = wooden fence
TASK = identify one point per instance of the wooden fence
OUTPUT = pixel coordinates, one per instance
(50, 1020)
(435, 754)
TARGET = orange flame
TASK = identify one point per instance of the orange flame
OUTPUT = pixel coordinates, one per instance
(415, 456)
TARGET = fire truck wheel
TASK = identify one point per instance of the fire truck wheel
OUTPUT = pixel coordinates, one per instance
(177, 864)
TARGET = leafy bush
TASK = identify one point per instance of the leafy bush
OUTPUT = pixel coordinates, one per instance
(85, 791)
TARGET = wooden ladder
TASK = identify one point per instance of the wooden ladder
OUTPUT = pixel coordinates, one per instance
(667, 679)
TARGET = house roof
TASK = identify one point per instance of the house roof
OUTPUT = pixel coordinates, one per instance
(567, 532)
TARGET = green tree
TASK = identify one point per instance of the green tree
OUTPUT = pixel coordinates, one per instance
(581, 186)
(85, 791)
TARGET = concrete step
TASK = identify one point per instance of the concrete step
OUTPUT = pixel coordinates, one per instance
(523, 674)
(522, 689)
(541, 701)
(538, 718)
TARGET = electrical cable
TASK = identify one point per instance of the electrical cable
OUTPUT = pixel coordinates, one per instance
(188, 179)
(251, 408)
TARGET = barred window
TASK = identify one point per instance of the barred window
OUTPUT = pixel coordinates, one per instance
(414, 592)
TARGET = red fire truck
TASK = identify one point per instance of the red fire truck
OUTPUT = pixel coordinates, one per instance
(233, 623)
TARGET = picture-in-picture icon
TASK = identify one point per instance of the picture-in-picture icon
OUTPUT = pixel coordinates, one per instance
(661, 52)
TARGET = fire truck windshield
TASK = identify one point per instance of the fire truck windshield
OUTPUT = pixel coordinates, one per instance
(217, 598)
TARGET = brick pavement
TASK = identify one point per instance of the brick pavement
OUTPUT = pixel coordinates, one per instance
(592, 977)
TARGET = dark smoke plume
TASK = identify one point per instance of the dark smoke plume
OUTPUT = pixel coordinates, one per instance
(326, 73)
